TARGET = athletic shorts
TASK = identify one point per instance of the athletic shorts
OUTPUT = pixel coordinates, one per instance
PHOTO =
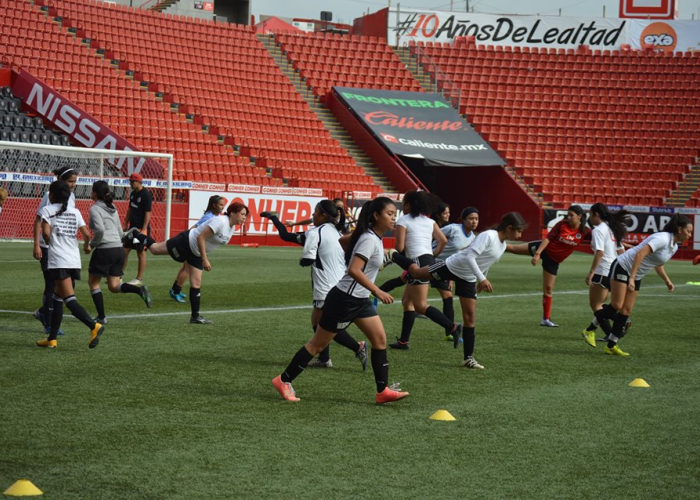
(441, 284)
(107, 262)
(341, 309)
(130, 243)
(599, 279)
(61, 274)
(424, 260)
(179, 249)
(44, 262)
(619, 274)
(463, 288)
(548, 264)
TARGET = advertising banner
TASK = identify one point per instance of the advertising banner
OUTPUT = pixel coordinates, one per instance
(294, 208)
(419, 125)
(669, 36)
(489, 29)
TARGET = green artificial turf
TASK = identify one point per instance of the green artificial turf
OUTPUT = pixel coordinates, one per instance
(163, 409)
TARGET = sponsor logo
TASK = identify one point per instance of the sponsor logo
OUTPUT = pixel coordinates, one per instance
(389, 138)
(435, 145)
(660, 36)
(622, 278)
(392, 120)
(343, 326)
(661, 210)
(407, 103)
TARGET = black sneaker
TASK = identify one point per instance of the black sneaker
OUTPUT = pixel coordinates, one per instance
(269, 215)
(200, 320)
(146, 296)
(362, 354)
(456, 335)
(402, 346)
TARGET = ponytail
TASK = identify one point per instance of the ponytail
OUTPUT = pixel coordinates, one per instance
(59, 192)
(336, 215)
(512, 219)
(365, 222)
(617, 221)
(103, 192)
(579, 211)
(213, 201)
(676, 223)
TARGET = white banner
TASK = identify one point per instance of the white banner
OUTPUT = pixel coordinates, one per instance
(294, 208)
(671, 36)
(523, 31)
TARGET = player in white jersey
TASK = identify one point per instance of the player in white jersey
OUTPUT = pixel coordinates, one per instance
(610, 229)
(41, 248)
(194, 245)
(627, 271)
(469, 268)
(348, 302)
(59, 225)
(324, 254)
(415, 233)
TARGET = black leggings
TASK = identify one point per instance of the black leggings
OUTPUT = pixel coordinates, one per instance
(298, 238)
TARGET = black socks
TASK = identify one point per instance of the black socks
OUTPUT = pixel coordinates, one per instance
(127, 288)
(194, 301)
(390, 285)
(380, 366)
(449, 311)
(56, 316)
(346, 340)
(176, 288)
(469, 336)
(296, 366)
(436, 316)
(78, 311)
(409, 317)
(99, 302)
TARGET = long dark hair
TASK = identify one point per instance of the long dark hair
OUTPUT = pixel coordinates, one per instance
(60, 192)
(335, 214)
(617, 221)
(213, 201)
(103, 192)
(421, 202)
(442, 206)
(579, 211)
(677, 222)
(365, 221)
(64, 173)
(512, 219)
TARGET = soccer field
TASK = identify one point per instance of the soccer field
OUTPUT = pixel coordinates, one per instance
(163, 409)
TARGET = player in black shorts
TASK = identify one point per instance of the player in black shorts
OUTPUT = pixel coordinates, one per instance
(138, 216)
(108, 257)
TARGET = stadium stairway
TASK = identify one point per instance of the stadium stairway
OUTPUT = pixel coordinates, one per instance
(415, 69)
(163, 5)
(686, 190)
(327, 118)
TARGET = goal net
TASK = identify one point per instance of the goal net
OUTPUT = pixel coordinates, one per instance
(26, 171)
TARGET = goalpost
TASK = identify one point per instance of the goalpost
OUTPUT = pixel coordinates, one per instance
(26, 171)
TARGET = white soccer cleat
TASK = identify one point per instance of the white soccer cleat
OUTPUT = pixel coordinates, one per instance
(549, 323)
(470, 362)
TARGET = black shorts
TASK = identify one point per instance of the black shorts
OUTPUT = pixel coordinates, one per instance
(443, 285)
(44, 262)
(107, 262)
(61, 274)
(599, 279)
(341, 309)
(179, 249)
(619, 274)
(130, 243)
(463, 288)
(548, 264)
(424, 260)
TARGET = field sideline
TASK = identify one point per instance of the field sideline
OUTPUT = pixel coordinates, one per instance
(163, 409)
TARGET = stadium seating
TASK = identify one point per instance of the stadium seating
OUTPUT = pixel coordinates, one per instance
(219, 73)
(17, 126)
(327, 60)
(622, 127)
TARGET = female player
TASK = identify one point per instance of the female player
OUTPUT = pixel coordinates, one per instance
(215, 206)
(348, 302)
(468, 269)
(59, 225)
(442, 215)
(610, 229)
(41, 248)
(323, 252)
(194, 245)
(414, 235)
(561, 241)
(107, 258)
(628, 270)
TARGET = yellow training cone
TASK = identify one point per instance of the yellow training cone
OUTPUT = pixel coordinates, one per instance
(639, 382)
(442, 415)
(23, 488)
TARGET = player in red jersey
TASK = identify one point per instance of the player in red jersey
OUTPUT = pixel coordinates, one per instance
(561, 241)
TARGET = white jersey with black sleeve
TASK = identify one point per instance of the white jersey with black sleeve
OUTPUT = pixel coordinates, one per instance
(602, 238)
(322, 245)
(222, 234)
(370, 249)
(419, 235)
(662, 249)
(457, 239)
(472, 264)
(45, 203)
(63, 246)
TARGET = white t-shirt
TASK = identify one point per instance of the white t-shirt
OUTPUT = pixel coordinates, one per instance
(473, 264)
(457, 240)
(662, 249)
(370, 249)
(419, 235)
(63, 246)
(44, 203)
(222, 234)
(603, 239)
(323, 247)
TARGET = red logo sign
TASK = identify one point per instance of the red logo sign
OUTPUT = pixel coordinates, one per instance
(392, 120)
(389, 138)
(649, 9)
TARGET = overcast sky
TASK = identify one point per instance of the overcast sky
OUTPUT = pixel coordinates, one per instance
(347, 10)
